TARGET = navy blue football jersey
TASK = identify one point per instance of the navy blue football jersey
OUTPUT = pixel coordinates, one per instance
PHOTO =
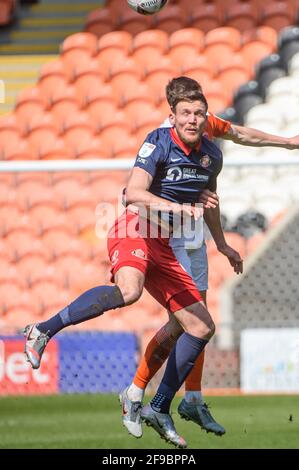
(179, 172)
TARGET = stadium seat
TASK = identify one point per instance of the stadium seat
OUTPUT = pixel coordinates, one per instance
(9, 128)
(104, 189)
(151, 44)
(199, 69)
(158, 75)
(170, 19)
(82, 217)
(64, 104)
(135, 98)
(99, 22)
(217, 97)
(262, 33)
(100, 102)
(233, 74)
(205, 17)
(16, 149)
(127, 148)
(277, 15)
(11, 275)
(52, 75)
(54, 151)
(36, 269)
(78, 47)
(132, 23)
(113, 47)
(7, 8)
(242, 16)
(113, 129)
(185, 43)
(255, 50)
(145, 123)
(21, 244)
(221, 43)
(70, 192)
(124, 74)
(58, 243)
(33, 193)
(10, 216)
(41, 129)
(10, 295)
(44, 217)
(50, 296)
(30, 102)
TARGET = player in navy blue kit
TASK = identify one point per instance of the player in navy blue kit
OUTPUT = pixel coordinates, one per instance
(171, 170)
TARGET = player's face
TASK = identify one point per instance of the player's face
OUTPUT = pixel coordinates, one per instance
(189, 120)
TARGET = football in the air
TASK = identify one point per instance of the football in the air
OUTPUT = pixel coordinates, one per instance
(147, 7)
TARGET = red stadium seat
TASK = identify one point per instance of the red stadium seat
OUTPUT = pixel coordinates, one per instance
(242, 15)
(206, 17)
(277, 15)
(99, 22)
(170, 19)
(134, 24)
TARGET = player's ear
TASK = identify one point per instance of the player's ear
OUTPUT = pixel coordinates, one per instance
(171, 117)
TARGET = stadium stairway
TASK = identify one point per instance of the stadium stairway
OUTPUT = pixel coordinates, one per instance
(37, 32)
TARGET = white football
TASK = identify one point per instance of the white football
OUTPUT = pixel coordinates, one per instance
(147, 7)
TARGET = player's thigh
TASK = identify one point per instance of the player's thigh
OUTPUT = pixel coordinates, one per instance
(196, 320)
(130, 280)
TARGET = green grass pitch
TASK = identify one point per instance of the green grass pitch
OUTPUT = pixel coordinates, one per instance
(94, 421)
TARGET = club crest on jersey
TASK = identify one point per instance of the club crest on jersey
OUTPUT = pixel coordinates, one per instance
(146, 150)
(205, 161)
(139, 253)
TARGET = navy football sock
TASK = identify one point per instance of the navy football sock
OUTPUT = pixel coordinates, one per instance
(90, 304)
(180, 363)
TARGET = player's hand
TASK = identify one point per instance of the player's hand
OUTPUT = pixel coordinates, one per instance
(209, 199)
(187, 209)
(233, 257)
(293, 143)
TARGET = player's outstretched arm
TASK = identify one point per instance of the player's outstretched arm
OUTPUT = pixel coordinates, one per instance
(255, 138)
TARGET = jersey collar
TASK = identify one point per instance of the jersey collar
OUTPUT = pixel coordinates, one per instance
(176, 139)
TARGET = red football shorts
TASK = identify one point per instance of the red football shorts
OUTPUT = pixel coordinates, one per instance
(165, 279)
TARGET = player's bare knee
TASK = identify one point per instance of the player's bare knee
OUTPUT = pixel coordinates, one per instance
(130, 293)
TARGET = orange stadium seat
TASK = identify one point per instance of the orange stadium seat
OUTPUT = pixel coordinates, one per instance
(264, 34)
(217, 98)
(233, 74)
(104, 189)
(16, 149)
(45, 217)
(199, 69)
(82, 217)
(78, 134)
(36, 269)
(145, 122)
(170, 19)
(99, 22)
(150, 43)
(185, 42)
(99, 102)
(9, 218)
(50, 296)
(58, 242)
(221, 43)
(158, 75)
(41, 129)
(52, 74)
(115, 128)
(123, 74)
(277, 14)
(134, 24)
(127, 148)
(206, 17)
(33, 193)
(254, 51)
(22, 243)
(30, 103)
(241, 15)
(54, 151)
(78, 47)
(9, 128)
(10, 274)
(10, 294)
(138, 102)
(113, 47)
(64, 103)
